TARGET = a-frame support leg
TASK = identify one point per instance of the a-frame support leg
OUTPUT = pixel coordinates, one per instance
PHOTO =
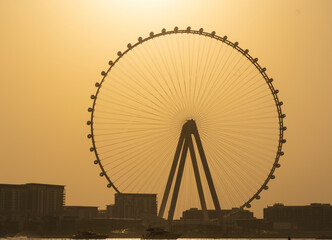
(207, 170)
(172, 172)
(197, 177)
(177, 182)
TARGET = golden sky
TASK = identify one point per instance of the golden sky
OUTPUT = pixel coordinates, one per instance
(52, 53)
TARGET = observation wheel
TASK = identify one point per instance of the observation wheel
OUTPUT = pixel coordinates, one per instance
(168, 81)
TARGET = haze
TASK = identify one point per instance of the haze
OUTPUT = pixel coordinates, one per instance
(52, 53)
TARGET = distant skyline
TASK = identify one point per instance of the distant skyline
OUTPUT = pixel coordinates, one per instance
(52, 53)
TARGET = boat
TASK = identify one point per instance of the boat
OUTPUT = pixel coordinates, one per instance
(89, 235)
(159, 233)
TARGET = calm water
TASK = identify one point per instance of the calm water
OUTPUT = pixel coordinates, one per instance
(24, 238)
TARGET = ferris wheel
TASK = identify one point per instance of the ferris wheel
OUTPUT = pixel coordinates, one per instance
(187, 94)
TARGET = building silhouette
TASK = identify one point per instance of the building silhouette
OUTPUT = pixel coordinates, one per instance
(31, 200)
(313, 217)
(133, 205)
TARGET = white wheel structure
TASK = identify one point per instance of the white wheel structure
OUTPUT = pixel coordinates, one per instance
(162, 81)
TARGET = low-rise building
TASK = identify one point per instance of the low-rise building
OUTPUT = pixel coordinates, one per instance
(313, 217)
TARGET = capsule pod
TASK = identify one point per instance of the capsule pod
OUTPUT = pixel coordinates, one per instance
(276, 91)
(119, 53)
(277, 165)
(284, 128)
(103, 73)
(224, 38)
(90, 109)
(89, 135)
(236, 44)
(283, 140)
(97, 84)
(101, 174)
(213, 33)
(176, 29)
(88, 122)
(188, 29)
(109, 185)
(140, 39)
(280, 103)
(256, 60)
(264, 69)
(283, 115)
(92, 149)
(95, 161)
(151, 34)
(281, 153)
(258, 197)
(163, 30)
(246, 51)
(248, 205)
(128, 45)
(265, 187)
(92, 96)
(201, 30)
(270, 80)
(272, 177)
(110, 63)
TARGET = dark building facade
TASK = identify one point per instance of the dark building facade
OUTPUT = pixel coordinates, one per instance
(313, 217)
(197, 214)
(133, 205)
(31, 200)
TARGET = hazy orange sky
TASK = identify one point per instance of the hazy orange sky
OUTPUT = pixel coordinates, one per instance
(52, 53)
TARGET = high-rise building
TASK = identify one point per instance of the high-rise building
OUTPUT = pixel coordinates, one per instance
(31, 200)
(133, 205)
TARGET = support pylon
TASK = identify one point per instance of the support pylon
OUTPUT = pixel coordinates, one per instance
(186, 143)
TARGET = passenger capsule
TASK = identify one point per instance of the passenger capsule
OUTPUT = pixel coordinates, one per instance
(95, 161)
(276, 91)
(284, 128)
(101, 174)
(90, 109)
(188, 29)
(283, 115)
(277, 165)
(281, 153)
(256, 60)
(265, 187)
(92, 96)
(163, 30)
(140, 39)
(151, 34)
(88, 122)
(280, 103)
(246, 51)
(119, 53)
(283, 141)
(103, 73)
(236, 44)
(92, 149)
(128, 45)
(213, 33)
(224, 38)
(97, 84)
(176, 29)
(201, 30)
(248, 205)
(109, 185)
(272, 177)
(110, 63)
(258, 197)
(89, 135)
(270, 80)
